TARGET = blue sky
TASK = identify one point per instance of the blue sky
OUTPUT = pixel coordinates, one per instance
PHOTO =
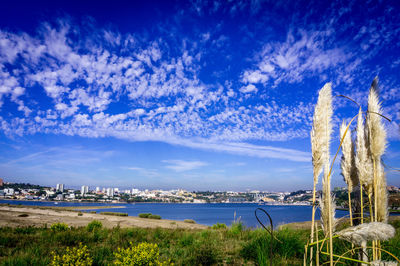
(201, 95)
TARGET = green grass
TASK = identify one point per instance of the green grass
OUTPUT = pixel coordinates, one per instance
(114, 213)
(149, 216)
(235, 245)
(154, 216)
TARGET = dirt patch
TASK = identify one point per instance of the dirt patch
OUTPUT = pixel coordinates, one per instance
(10, 216)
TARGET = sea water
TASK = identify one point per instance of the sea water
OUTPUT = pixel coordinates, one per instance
(206, 213)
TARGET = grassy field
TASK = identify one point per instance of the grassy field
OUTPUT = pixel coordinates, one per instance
(234, 245)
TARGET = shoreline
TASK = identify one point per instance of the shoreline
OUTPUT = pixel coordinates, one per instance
(38, 216)
(140, 202)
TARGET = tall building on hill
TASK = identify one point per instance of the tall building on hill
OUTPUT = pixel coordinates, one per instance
(60, 187)
(110, 192)
(1, 182)
(84, 190)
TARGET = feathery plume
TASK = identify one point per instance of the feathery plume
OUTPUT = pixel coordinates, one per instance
(362, 233)
(383, 263)
(363, 160)
(320, 146)
(381, 195)
(377, 146)
(347, 163)
(327, 212)
(321, 130)
(376, 130)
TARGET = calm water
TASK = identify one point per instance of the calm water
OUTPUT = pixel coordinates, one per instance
(207, 214)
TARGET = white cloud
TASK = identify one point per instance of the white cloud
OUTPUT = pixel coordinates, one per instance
(182, 166)
(248, 88)
(254, 77)
(138, 90)
(303, 54)
(143, 171)
(252, 150)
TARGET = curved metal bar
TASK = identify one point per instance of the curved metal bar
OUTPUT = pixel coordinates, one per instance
(271, 231)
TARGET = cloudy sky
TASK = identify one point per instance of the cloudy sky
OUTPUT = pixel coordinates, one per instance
(202, 95)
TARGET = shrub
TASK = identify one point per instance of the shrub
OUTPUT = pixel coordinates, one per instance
(204, 253)
(236, 228)
(219, 226)
(80, 213)
(290, 244)
(75, 256)
(186, 240)
(155, 216)
(144, 215)
(142, 254)
(114, 213)
(58, 227)
(94, 225)
(257, 249)
(189, 221)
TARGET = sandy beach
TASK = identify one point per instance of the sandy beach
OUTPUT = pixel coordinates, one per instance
(40, 216)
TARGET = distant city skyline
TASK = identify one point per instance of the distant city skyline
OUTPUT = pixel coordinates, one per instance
(200, 95)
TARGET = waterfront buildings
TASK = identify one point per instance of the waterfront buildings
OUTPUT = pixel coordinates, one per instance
(84, 190)
(9, 191)
(110, 192)
(60, 187)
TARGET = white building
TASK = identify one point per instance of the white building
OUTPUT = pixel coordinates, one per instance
(9, 191)
(49, 193)
(97, 189)
(135, 191)
(71, 196)
(110, 192)
(60, 197)
(60, 187)
(84, 190)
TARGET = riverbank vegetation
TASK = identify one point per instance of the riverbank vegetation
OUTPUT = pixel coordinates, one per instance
(218, 245)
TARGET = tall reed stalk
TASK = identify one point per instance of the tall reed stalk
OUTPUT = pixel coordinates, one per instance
(377, 139)
(320, 146)
(377, 146)
(363, 162)
(347, 164)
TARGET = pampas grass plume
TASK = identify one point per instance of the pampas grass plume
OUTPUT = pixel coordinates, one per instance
(377, 145)
(377, 133)
(363, 160)
(347, 163)
(321, 130)
(326, 212)
(383, 263)
(382, 195)
(320, 145)
(362, 233)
